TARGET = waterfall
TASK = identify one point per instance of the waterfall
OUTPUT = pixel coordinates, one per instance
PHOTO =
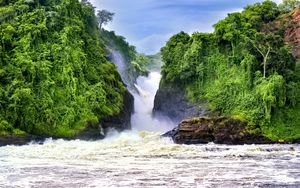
(119, 61)
(143, 102)
(143, 93)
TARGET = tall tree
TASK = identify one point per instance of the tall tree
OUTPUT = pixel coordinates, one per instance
(103, 17)
(288, 5)
(265, 44)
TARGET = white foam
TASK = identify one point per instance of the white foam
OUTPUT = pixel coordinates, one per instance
(144, 101)
(139, 159)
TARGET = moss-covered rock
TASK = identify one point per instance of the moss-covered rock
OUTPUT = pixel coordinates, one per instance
(220, 130)
(18, 139)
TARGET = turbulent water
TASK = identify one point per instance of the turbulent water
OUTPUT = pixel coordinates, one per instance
(143, 159)
(140, 158)
(143, 103)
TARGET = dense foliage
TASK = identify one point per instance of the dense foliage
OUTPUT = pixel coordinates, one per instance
(243, 69)
(54, 77)
(137, 64)
(155, 62)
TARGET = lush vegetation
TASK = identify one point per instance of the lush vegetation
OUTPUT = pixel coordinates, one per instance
(155, 62)
(137, 64)
(54, 76)
(243, 69)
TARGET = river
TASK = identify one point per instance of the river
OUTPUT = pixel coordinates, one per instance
(141, 158)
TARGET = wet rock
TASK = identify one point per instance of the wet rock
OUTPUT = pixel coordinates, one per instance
(91, 133)
(171, 101)
(220, 130)
(19, 140)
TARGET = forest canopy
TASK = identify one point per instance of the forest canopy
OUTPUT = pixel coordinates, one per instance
(54, 75)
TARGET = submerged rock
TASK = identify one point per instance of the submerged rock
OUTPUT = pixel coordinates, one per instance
(19, 140)
(91, 133)
(220, 130)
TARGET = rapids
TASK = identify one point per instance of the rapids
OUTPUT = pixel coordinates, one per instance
(143, 159)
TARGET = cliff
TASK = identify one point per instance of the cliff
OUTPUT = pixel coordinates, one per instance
(172, 101)
(292, 33)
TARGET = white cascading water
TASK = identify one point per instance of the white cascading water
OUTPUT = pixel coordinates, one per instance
(144, 93)
(142, 119)
(143, 159)
(119, 61)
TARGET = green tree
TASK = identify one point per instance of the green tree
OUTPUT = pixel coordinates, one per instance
(232, 29)
(265, 44)
(172, 55)
(272, 93)
(104, 17)
(54, 75)
(260, 13)
(243, 69)
(288, 5)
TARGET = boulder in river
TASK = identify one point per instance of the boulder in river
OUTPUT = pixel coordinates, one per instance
(220, 130)
(19, 139)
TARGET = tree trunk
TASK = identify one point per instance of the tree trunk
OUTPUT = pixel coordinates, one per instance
(265, 60)
(265, 67)
(232, 47)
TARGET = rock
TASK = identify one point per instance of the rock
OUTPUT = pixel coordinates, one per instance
(220, 130)
(91, 133)
(171, 101)
(19, 140)
(292, 33)
(121, 121)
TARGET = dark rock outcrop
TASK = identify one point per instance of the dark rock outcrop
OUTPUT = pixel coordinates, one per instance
(171, 101)
(91, 133)
(19, 140)
(220, 130)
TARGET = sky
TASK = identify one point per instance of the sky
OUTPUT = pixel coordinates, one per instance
(148, 24)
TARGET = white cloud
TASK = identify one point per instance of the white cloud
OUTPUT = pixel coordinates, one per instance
(152, 43)
(278, 1)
